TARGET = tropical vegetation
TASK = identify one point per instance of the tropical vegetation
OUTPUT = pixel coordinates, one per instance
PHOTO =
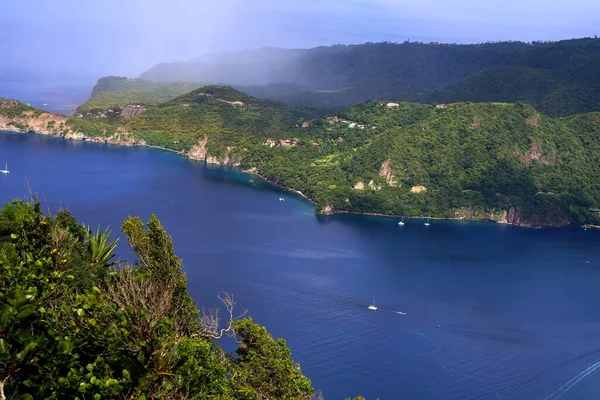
(75, 323)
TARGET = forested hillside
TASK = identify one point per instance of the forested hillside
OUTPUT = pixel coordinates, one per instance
(499, 161)
(564, 91)
(564, 73)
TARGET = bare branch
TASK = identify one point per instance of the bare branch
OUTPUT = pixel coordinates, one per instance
(210, 320)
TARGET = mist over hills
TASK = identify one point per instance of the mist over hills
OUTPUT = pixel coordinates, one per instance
(563, 73)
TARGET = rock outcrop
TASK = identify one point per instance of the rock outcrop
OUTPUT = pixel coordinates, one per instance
(44, 123)
(373, 186)
(535, 153)
(386, 172)
(51, 124)
(131, 111)
(199, 150)
(327, 210)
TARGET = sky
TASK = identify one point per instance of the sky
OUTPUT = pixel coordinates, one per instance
(126, 37)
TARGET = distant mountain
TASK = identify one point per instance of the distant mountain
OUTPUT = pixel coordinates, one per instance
(561, 91)
(115, 91)
(339, 76)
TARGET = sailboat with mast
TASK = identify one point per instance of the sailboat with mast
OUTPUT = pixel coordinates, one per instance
(5, 170)
(427, 223)
(373, 307)
(401, 223)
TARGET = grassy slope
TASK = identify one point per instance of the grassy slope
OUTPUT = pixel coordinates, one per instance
(14, 108)
(118, 92)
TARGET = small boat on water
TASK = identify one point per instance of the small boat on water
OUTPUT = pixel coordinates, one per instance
(427, 223)
(373, 307)
(5, 170)
(281, 199)
(401, 223)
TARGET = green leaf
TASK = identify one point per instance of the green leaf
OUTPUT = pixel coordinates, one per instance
(14, 236)
(3, 346)
(5, 314)
(111, 382)
(26, 312)
(80, 312)
(92, 322)
(23, 353)
(24, 397)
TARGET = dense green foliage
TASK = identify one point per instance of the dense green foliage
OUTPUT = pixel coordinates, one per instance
(227, 116)
(469, 160)
(72, 326)
(475, 160)
(113, 91)
(93, 128)
(558, 78)
(553, 92)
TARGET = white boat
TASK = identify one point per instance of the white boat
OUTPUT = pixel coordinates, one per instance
(281, 199)
(401, 223)
(427, 223)
(45, 104)
(5, 170)
(373, 307)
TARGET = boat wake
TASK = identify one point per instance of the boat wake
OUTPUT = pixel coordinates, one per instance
(574, 381)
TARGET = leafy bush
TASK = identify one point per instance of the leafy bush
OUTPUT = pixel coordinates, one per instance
(73, 325)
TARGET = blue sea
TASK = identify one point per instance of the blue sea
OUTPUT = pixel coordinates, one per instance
(492, 311)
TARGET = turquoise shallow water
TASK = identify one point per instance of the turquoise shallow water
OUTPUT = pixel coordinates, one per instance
(517, 308)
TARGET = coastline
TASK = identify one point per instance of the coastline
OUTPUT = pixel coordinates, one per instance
(326, 211)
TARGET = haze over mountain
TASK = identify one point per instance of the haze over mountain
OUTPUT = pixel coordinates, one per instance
(558, 78)
(125, 38)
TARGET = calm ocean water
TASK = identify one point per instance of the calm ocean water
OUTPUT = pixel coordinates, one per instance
(518, 309)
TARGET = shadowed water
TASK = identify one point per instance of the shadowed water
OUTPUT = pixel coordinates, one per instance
(517, 308)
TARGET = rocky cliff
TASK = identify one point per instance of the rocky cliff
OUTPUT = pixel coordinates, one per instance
(19, 117)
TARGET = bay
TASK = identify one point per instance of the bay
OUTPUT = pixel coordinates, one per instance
(517, 308)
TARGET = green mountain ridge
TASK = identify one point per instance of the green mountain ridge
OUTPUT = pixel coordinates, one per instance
(342, 76)
(497, 161)
(554, 92)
